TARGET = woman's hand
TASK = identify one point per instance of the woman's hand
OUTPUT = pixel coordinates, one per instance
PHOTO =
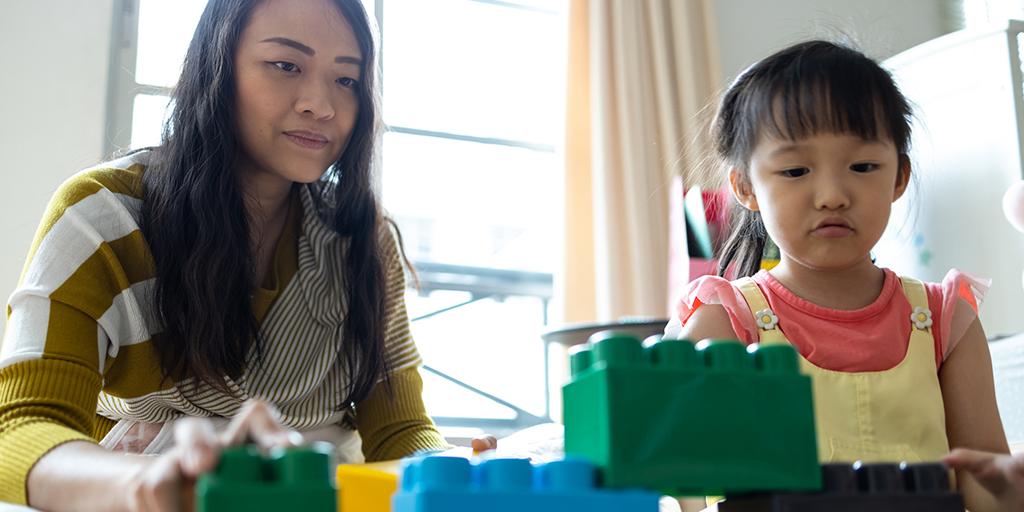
(1001, 474)
(484, 443)
(167, 483)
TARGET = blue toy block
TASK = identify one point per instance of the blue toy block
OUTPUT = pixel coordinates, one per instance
(453, 484)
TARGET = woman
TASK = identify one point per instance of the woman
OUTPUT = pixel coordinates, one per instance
(244, 258)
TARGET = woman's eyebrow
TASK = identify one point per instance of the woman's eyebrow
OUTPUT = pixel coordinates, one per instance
(291, 43)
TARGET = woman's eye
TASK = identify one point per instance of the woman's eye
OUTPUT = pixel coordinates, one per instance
(863, 167)
(347, 82)
(796, 172)
(287, 67)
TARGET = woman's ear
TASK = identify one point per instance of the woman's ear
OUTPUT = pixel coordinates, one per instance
(741, 190)
(902, 177)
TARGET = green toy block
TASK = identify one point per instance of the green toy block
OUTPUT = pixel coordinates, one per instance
(689, 420)
(289, 479)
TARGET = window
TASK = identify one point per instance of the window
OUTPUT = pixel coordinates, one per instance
(471, 172)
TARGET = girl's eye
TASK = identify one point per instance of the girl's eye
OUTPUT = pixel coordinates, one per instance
(347, 82)
(863, 167)
(287, 67)
(795, 172)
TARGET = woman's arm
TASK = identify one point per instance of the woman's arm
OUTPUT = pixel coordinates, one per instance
(83, 476)
(972, 417)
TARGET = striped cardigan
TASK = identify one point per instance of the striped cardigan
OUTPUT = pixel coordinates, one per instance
(78, 355)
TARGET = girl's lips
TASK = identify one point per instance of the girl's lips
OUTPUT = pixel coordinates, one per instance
(832, 231)
(306, 140)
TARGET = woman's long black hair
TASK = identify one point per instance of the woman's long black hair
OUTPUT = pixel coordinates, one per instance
(809, 88)
(194, 218)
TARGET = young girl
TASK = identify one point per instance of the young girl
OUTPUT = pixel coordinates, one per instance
(815, 139)
(245, 257)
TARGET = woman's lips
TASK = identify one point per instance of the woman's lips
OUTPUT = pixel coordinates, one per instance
(307, 140)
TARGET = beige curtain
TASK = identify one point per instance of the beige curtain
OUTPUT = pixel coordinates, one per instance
(640, 71)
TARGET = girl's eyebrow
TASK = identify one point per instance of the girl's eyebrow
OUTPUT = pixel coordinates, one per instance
(291, 43)
(788, 148)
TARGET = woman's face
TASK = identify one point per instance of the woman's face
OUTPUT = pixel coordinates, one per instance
(297, 68)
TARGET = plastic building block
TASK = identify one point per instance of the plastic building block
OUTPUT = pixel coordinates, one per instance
(454, 484)
(876, 487)
(367, 487)
(290, 479)
(686, 420)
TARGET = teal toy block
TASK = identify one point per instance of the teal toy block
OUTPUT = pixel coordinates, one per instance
(289, 479)
(691, 420)
(453, 484)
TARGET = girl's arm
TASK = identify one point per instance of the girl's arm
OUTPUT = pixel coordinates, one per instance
(708, 321)
(1002, 475)
(972, 417)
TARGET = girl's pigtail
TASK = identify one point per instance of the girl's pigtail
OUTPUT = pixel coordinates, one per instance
(745, 245)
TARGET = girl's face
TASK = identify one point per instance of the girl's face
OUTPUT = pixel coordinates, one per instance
(297, 68)
(825, 199)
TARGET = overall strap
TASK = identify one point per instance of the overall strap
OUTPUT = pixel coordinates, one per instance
(921, 316)
(766, 319)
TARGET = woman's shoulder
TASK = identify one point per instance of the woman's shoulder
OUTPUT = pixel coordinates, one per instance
(121, 176)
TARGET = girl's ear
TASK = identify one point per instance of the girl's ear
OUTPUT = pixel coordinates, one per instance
(902, 177)
(741, 190)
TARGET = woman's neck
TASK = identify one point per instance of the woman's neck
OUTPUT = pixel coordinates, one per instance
(266, 199)
(846, 289)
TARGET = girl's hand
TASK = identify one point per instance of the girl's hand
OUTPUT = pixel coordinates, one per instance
(167, 483)
(1001, 474)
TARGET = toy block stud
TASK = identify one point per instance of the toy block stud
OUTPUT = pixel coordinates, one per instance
(679, 354)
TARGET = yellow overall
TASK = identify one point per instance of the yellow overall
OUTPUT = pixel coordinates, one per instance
(878, 416)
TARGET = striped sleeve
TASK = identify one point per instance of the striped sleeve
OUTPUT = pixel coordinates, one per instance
(399, 348)
(55, 347)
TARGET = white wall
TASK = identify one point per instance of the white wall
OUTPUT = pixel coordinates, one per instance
(747, 30)
(52, 107)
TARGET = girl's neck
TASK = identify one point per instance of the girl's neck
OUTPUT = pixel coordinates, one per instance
(845, 289)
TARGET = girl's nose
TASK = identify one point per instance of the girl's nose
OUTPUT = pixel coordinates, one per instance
(831, 194)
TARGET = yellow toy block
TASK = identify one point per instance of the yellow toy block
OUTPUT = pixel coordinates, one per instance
(367, 487)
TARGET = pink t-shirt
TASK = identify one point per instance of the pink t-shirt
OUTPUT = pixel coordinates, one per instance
(871, 338)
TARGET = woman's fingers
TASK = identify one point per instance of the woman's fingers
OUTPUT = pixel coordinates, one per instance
(198, 444)
(484, 443)
(259, 422)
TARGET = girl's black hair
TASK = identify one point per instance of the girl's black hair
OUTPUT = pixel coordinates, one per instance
(194, 218)
(806, 89)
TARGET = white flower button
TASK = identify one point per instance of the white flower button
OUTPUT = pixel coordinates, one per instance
(766, 319)
(921, 318)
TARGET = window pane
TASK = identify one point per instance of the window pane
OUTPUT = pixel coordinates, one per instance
(474, 68)
(148, 116)
(472, 204)
(468, 342)
(165, 29)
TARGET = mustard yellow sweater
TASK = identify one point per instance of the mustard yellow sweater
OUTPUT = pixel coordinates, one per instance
(77, 354)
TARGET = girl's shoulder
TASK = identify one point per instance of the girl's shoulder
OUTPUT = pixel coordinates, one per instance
(718, 291)
(954, 303)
